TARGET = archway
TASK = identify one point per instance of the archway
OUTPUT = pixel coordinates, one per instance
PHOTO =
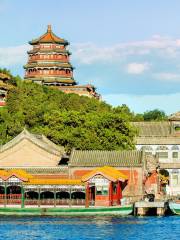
(78, 195)
(14, 189)
(13, 194)
(31, 195)
(47, 195)
(62, 195)
(2, 190)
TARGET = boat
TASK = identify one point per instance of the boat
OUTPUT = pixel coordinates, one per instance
(65, 211)
(175, 206)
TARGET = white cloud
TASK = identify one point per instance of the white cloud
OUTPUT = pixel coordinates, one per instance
(137, 68)
(89, 53)
(141, 103)
(10, 56)
(167, 76)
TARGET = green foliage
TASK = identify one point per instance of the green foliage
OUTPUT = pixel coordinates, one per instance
(126, 113)
(13, 79)
(5, 71)
(155, 115)
(67, 119)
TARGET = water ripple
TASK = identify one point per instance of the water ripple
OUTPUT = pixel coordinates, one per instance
(85, 228)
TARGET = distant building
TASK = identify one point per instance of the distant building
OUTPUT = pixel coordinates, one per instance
(162, 140)
(49, 65)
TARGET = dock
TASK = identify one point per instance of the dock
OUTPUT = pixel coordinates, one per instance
(144, 208)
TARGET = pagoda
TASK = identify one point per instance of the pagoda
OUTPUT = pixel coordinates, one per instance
(49, 61)
(49, 64)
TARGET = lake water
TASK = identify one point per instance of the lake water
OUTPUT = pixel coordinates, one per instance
(51, 228)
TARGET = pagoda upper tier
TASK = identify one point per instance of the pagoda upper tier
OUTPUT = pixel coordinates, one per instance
(48, 61)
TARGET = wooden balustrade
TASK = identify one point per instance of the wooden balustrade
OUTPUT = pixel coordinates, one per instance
(57, 202)
(15, 199)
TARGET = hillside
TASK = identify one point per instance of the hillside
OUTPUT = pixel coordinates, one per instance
(67, 119)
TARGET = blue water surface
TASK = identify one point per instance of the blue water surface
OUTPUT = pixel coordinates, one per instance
(81, 228)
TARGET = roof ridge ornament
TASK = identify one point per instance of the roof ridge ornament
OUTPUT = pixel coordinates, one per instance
(49, 28)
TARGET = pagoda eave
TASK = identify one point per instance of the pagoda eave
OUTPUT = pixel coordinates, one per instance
(51, 80)
(36, 65)
(33, 51)
(37, 41)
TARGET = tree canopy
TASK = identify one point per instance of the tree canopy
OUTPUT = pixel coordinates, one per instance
(67, 119)
(154, 115)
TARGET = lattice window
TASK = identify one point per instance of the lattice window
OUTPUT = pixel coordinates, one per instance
(175, 179)
(162, 148)
(175, 147)
(162, 154)
(175, 154)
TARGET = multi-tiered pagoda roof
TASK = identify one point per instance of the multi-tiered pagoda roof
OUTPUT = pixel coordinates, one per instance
(49, 64)
(49, 61)
(49, 37)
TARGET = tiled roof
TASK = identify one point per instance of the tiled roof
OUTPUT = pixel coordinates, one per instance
(45, 79)
(158, 140)
(42, 170)
(157, 133)
(44, 50)
(153, 128)
(36, 181)
(59, 80)
(106, 158)
(39, 140)
(49, 37)
(106, 171)
(49, 64)
(21, 174)
(52, 176)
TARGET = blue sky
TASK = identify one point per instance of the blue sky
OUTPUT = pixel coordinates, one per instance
(130, 50)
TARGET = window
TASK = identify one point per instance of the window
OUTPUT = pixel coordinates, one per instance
(162, 148)
(146, 148)
(99, 190)
(162, 154)
(175, 179)
(175, 154)
(175, 147)
(102, 190)
(105, 190)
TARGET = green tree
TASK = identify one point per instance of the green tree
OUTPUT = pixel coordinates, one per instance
(155, 115)
(67, 119)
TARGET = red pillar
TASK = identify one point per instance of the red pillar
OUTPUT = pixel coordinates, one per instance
(119, 192)
(87, 195)
(110, 194)
(90, 195)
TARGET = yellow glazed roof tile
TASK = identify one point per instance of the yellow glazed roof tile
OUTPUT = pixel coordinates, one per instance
(108, 172)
